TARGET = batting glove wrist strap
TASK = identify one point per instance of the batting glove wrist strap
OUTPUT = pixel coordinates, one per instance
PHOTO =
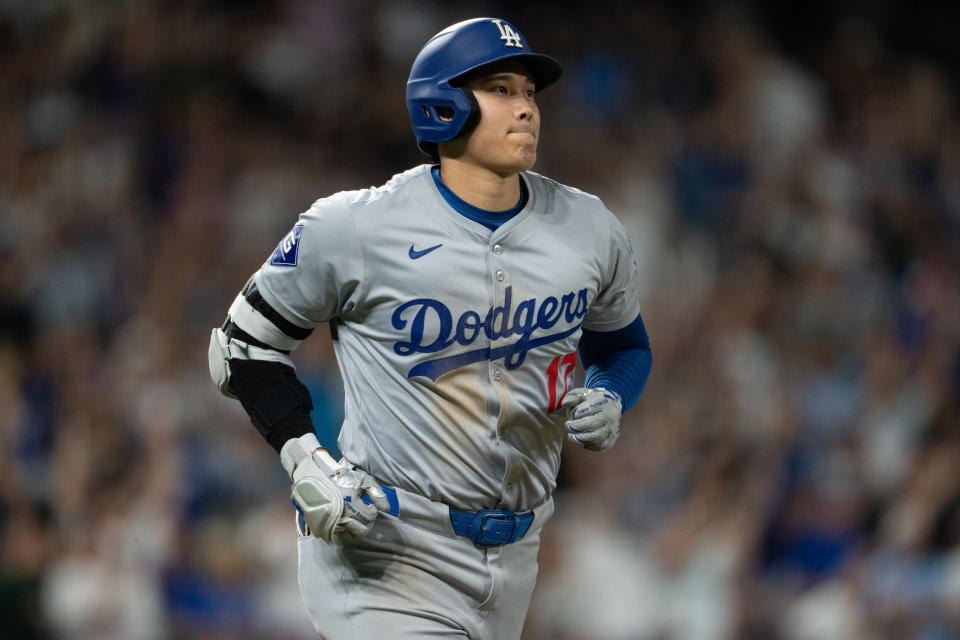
(593, 417)
(296, 450)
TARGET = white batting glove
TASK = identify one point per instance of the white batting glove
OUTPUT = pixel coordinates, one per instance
(328, 493)
(594, 417)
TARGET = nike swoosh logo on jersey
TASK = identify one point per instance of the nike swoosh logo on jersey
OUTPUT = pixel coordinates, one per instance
(414, 254)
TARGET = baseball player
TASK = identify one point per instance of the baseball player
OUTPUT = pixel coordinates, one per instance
(460, 295)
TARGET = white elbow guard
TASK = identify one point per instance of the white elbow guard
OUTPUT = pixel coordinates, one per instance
(223, 349)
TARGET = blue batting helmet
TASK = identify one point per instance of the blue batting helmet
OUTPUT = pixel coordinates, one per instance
(450, 55)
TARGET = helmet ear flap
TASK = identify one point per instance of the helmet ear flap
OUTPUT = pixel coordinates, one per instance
(440, 111)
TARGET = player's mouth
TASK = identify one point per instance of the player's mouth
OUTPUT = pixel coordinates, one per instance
(524, 132)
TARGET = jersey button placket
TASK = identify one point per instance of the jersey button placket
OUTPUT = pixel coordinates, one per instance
(496, 373)
(498, 273)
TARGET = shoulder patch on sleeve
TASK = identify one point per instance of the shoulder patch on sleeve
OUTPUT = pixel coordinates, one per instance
(285, 255)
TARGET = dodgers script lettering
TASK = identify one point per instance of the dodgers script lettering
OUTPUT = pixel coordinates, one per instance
(497, 322)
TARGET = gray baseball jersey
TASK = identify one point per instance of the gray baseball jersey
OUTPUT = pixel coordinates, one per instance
(455, 344)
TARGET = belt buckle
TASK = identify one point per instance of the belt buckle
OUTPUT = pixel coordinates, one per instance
(493, 527)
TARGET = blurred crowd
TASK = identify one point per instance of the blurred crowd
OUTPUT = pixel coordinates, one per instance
(792, 470)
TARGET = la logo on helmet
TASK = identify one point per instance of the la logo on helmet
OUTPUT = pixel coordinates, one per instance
(507, 34)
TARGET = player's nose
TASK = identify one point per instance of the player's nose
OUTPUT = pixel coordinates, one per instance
(523, 109)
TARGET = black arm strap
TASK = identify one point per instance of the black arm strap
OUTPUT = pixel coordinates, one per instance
(255, 299)
(277, 402)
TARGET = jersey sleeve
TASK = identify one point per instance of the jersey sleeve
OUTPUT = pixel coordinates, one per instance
(313, 276)
(618, 302)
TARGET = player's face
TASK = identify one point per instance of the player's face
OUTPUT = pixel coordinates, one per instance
(505, 139)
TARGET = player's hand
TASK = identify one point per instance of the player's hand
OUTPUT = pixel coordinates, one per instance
(332, 498)
(594, 417)
(362, 499)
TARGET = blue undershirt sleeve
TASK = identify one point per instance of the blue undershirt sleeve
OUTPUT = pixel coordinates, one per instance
(619, 361)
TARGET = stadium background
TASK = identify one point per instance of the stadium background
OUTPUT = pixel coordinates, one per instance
(791, 183)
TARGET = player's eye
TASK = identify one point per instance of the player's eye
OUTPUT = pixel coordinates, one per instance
(501, 89)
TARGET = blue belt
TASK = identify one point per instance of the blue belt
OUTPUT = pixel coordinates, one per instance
(489, 527)
(485, 528)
